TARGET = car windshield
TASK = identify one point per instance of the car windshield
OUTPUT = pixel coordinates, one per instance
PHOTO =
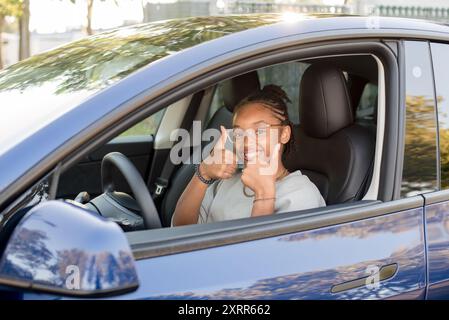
(38, 90)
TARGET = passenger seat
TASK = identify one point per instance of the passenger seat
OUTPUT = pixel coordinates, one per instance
(336, 153)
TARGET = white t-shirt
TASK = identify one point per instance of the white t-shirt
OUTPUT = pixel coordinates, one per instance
(225, 199)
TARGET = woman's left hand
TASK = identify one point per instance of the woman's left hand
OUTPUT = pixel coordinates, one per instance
(260, 175)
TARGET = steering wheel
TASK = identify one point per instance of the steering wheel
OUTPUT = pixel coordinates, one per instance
(120, 206)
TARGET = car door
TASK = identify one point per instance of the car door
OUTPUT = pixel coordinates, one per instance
(343, 256)
(437, 203)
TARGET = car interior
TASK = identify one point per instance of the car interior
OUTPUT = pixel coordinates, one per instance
(334, 128)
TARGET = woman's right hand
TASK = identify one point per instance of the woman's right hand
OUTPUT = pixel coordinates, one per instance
(221, 163)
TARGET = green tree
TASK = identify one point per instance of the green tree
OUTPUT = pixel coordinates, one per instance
(8, 8)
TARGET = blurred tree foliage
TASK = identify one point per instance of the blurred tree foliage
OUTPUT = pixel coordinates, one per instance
(420, 153)
(100, 60)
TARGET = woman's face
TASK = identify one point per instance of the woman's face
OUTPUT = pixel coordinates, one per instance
(256, 131)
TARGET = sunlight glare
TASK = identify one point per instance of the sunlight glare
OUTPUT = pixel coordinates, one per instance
(289, 16)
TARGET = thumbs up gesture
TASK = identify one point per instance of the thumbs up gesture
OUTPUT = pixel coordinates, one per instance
(221, 163)
(260, 174)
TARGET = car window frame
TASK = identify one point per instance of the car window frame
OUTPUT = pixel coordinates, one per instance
(442, 195)
(298, 221)
(407, 90)
(388, 179)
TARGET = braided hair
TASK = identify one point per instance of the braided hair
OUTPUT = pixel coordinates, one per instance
(276, 99)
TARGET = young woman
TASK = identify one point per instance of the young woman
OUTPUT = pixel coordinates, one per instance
(261, 132)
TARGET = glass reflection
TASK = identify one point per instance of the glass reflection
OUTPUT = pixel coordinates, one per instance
(97, 61)
(41, 251)
(420, 152)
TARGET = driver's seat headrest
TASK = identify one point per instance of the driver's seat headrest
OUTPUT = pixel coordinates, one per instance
(237, 88)
(325, 103)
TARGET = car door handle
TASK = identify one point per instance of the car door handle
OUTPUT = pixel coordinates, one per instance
(385, 273)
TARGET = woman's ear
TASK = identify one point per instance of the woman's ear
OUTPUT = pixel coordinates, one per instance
(286, 134)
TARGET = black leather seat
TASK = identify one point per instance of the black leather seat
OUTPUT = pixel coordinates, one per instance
(233, 90)
(330, 148)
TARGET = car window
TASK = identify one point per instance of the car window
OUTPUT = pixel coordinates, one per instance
(287, 75)
(440, 52)
(145, 127)
(420, 149)
(217, 102)
(367, 108)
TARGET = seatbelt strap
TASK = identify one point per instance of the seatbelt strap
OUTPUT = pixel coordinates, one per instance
(161, 183)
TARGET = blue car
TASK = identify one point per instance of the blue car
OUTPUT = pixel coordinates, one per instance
(87, 188)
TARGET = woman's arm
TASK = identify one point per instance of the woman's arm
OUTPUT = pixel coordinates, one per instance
(221, 164)
(188, 207)
(264, 200)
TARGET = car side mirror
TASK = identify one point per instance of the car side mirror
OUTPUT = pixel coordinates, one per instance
(62, 248)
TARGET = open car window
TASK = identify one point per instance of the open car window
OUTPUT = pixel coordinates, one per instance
(150, 160)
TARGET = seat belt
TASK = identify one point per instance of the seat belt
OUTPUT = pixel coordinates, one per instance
(162, 181)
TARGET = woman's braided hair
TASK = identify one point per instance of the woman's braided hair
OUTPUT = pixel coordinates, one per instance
(276, 99)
